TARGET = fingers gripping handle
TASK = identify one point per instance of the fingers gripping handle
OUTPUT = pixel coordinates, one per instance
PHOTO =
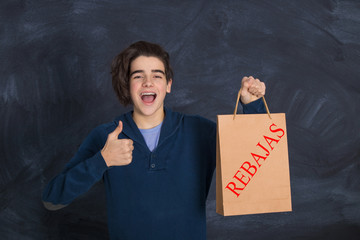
(237, 103)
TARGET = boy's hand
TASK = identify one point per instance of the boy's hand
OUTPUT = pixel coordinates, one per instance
(117, 152)
(251, 89)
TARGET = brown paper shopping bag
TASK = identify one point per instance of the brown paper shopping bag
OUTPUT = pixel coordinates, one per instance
(252, 165)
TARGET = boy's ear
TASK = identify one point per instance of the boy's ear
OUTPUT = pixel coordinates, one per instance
(168, 86)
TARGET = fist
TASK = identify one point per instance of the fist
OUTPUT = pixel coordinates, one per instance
(251, 89)
(117, 152)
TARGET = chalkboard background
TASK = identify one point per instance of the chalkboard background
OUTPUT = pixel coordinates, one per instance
(55, 88)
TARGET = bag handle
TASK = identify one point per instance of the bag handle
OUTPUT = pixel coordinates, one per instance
(237, 103)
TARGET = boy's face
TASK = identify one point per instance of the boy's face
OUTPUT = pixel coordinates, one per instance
(148, 86)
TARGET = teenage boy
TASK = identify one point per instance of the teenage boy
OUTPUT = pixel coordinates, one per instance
(156, 164)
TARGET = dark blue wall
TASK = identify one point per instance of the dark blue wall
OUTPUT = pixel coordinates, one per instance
(55, 87)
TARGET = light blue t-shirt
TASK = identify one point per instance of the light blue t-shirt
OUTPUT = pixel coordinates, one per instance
(151, 136)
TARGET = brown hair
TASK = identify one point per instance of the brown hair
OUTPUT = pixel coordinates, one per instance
(120, 67)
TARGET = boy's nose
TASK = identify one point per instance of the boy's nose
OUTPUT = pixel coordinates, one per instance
(147, 82)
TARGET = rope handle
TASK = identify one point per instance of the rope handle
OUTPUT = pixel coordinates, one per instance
(237, 103)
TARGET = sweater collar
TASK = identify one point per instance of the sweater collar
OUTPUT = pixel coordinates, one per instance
(170, 124)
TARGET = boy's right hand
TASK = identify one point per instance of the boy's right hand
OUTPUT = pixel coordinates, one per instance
(117, 152)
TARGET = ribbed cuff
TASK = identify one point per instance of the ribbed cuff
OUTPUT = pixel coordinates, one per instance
(98, 165)
(256, 106)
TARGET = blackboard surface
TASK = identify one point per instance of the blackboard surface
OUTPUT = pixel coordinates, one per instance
(55, 88)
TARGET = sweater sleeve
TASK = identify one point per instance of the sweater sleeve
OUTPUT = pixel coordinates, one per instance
(80, 174)
(256, 106)
(212, 163)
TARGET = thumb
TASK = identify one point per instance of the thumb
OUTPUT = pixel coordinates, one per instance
(117, 130)
(244, 87)
(245, 83)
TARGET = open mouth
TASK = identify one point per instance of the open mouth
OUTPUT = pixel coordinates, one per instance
(148, 97)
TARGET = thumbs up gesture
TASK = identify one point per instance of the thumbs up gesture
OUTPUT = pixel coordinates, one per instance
(117, 152)
(251, 89)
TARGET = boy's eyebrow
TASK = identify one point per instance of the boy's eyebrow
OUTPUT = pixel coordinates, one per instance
(136, 71)
(142, 71)
(158, 71)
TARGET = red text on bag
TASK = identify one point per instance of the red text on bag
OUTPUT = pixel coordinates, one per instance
(248, 169)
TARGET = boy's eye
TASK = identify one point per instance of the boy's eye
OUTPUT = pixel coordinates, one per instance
(137, 77)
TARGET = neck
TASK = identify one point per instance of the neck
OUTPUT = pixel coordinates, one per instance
(147, 122)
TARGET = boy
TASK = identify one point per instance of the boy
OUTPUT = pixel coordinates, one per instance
(156, 164)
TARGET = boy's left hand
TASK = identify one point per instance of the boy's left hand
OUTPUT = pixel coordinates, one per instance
(251, 89)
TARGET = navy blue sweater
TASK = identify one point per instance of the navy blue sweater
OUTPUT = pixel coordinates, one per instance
(161, 194)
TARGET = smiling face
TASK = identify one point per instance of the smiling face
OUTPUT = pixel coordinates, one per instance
(148, 88)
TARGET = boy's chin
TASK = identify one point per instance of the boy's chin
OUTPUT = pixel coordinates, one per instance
(149, 110)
